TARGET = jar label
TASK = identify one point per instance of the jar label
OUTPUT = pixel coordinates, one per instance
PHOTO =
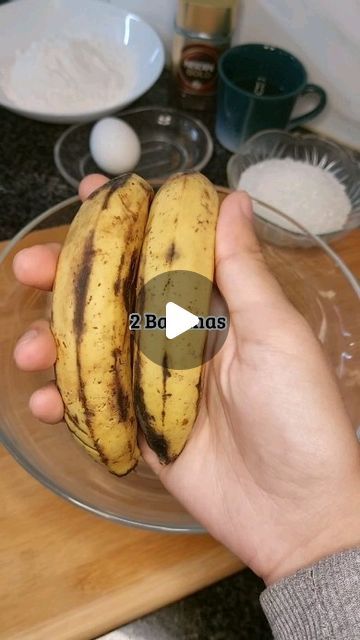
(198, 69)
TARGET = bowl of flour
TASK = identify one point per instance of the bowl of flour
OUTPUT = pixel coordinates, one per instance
(313, 182)
(65, 61)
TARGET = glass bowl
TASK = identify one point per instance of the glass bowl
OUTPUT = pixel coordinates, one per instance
(171, 141)
(327, 155)
(316, 281)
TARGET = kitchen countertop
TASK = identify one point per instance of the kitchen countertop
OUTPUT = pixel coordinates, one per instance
(29, 184)
(29, 180)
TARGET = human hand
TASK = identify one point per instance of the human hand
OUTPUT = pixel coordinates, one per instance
(272, 467)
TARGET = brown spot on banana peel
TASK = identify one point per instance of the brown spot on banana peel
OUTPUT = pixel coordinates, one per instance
(118, 182)
(74, 427)
(87, 412)
(126, 204)
(165, 375)
(119, 279)
(81, 286)
(156, 441)
(165, 371)
(112, 186)
(122, 475)
(117, 283)
(146, 421)
(140, 305)
(75, 420)
(140, 301)
(206, 193)
(130, 448)
(171, 254)
(128, 284)
(123, 402)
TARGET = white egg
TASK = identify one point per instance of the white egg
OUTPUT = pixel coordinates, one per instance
(114, 146)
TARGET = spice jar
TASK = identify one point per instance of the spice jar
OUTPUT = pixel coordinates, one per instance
(203, 31)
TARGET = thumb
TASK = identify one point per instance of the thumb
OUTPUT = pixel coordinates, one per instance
(241, 272)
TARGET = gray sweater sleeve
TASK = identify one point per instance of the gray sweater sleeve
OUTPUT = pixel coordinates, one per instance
(321, 602)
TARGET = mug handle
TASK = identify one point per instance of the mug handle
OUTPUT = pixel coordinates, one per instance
(310, 88)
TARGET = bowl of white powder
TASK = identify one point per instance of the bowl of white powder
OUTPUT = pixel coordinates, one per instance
(74, 61)
(313, 181)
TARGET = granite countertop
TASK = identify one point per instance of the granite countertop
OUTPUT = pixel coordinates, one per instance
(29, 180)
(29, 184)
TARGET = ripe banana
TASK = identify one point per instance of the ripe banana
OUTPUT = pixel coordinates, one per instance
(180, 235)
(92, 296)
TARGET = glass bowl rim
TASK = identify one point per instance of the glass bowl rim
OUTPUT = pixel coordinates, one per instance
(297, 136)
(42, 477)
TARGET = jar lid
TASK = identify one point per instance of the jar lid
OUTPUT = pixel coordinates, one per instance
(207, 18)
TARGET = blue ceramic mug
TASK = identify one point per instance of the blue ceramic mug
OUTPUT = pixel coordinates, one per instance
(258, 88)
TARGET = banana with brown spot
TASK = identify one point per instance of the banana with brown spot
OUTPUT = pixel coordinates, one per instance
(180, 235)
(93, 294)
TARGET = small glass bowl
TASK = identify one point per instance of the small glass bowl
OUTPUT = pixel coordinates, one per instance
(171, 141)
(316, 151)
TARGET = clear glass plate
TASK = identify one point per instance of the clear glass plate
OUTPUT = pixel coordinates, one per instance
(171, 141)
(315, 280)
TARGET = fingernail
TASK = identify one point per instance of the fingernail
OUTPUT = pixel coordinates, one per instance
(28, 336)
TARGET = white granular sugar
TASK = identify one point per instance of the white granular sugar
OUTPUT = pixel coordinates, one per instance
(68, 76)
(308, 194)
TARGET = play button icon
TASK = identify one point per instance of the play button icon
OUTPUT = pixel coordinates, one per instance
(178, 320)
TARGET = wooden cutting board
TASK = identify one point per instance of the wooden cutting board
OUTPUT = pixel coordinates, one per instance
(68, 575)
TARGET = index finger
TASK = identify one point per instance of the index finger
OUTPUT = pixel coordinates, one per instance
(36, 266)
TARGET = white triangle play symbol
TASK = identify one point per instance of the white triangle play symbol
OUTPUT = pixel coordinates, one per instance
(178, 320)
